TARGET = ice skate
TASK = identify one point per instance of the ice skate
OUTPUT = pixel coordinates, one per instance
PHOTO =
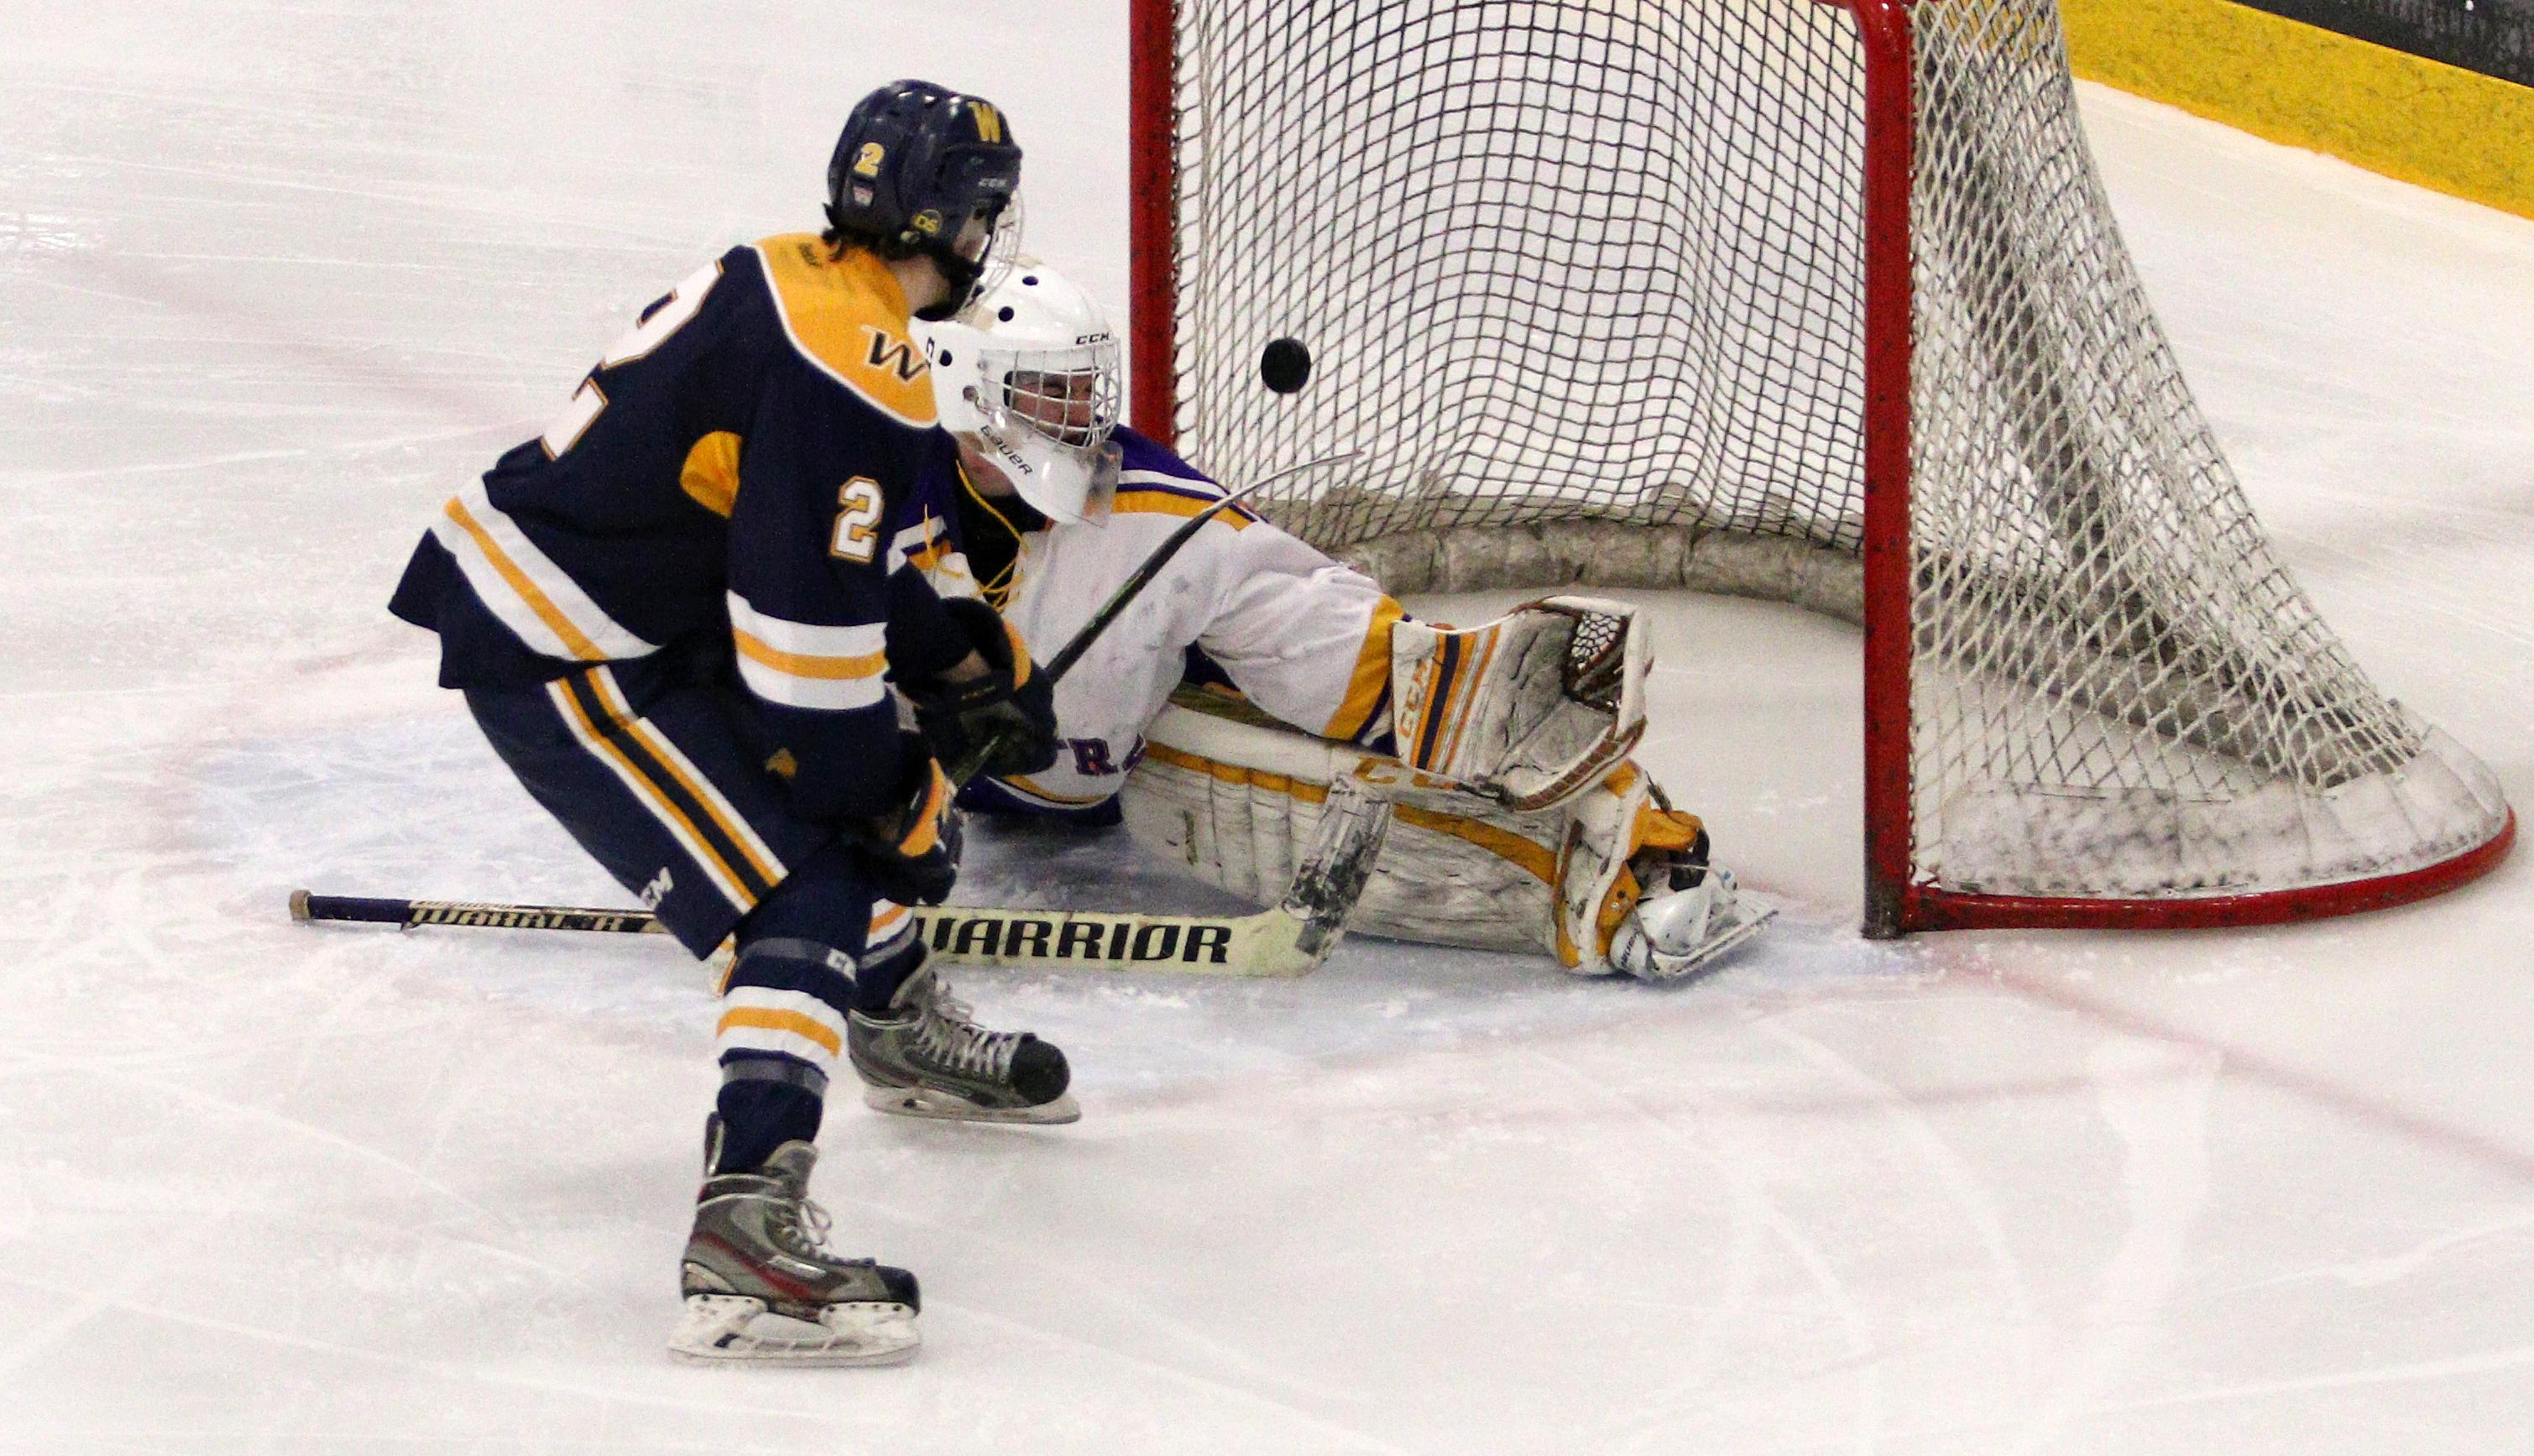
(924, 1058)
(1693, 912)
(760, 1285)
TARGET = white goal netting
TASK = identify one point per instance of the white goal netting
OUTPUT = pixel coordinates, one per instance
(1587, 283)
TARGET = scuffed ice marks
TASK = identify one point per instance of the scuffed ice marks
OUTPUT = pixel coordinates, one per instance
(26, 235)
(422, 808)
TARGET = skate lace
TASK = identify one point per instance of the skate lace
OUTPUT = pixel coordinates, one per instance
(944, 1034)
(802, 1226)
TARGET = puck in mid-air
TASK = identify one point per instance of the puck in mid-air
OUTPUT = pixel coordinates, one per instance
(1285, 366)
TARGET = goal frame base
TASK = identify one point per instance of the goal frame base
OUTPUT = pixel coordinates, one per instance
(1894, 910)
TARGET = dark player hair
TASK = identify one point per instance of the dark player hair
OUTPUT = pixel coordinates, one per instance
(914, 165)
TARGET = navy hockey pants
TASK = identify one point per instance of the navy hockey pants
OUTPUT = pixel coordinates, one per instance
(663, 779)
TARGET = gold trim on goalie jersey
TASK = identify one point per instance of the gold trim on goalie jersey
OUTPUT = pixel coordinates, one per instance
(1368, 686)
(1021, 784)
(1150, 493)
(536, 599)
(848, 317)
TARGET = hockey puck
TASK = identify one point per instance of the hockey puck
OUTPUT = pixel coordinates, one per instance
(1286, 365)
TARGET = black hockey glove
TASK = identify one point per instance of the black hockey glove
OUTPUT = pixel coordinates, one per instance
(1012, 706)
(912, 854)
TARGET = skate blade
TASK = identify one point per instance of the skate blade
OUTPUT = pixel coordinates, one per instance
(734, 1329)
(1753, 920)
(948, 1106)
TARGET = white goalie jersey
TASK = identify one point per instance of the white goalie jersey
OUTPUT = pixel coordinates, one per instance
(1481, 773)
(1303, 638)
(1519, 824)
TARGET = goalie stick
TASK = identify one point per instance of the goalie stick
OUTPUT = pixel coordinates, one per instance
(1291, 939)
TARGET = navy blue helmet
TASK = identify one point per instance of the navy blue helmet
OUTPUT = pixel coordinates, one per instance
(924, 169)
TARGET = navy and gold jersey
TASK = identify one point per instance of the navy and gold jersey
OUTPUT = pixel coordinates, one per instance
(737, 480)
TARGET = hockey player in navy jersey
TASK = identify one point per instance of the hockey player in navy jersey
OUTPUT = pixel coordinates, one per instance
(686, 617)
(1519, 821)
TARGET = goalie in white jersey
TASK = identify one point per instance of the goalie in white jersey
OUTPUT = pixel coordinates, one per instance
(1255, 671)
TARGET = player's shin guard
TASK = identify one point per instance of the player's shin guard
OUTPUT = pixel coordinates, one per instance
(780, 1038)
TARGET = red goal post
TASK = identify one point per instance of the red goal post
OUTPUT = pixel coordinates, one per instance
(2092, 698)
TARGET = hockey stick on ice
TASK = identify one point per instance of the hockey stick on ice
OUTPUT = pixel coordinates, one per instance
(1291, 939)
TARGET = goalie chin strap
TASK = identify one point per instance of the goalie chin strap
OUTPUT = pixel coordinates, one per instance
(991, 537)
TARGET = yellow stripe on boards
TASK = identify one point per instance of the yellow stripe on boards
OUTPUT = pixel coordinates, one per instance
(2422, 121)
(528, 591)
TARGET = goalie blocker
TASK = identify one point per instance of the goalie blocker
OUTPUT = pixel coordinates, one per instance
(1516, 822)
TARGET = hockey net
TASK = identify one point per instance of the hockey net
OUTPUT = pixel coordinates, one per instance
(1807, 300)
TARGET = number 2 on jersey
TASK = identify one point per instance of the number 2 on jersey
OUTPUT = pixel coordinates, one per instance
(648, 332)
(857, 519)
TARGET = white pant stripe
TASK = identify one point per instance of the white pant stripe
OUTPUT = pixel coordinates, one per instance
(650, 797)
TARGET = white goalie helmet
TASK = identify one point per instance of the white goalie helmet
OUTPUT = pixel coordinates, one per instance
(1029, 374)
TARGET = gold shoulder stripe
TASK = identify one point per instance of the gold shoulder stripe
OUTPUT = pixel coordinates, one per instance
(1131, 501)
(848, 317)
(712, 472)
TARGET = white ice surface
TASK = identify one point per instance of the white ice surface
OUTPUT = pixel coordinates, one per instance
(274, 277)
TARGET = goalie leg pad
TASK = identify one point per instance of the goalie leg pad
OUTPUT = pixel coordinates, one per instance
(1239, 805)
(1531, 709)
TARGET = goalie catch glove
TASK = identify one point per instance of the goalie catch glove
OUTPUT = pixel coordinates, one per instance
(1012, 708)
(1530, 711)
(911, 855)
